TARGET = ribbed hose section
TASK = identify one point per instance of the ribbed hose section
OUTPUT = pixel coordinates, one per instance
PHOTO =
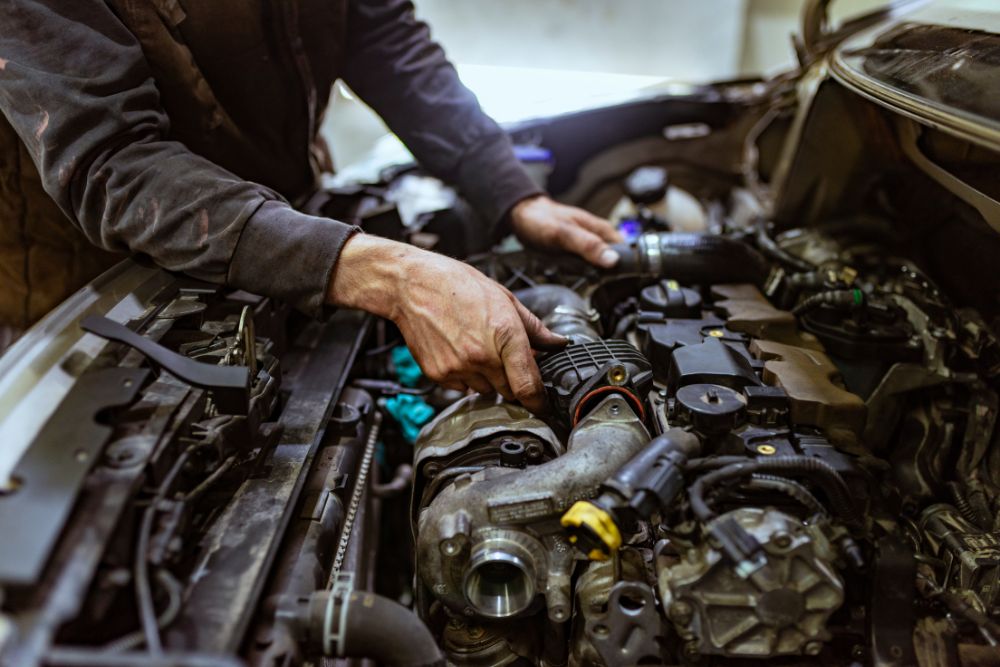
(790, 488)
(818, 471)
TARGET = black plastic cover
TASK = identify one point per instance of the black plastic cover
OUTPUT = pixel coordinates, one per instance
(711, 362)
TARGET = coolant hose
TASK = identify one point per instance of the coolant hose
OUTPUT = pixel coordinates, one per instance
(770, 247)
(360, 624)
(388, 633)
(692, 259)
(560, 309)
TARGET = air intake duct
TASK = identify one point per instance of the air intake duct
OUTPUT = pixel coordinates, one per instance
(579, 377)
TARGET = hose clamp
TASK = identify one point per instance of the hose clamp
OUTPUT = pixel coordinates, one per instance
(650, 245)
(333, 635)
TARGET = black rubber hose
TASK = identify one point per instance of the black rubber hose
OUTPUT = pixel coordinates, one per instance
(823, 475)
(972, 514)
(704, 464)
(818, 471)
(561, 309)
(845, 298)
(770, 248)
(623, 326)
(790, 488)
(388, 633)
(693, 259)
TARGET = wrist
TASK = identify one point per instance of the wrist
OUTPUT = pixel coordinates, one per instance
(518, 210)
(369, 275)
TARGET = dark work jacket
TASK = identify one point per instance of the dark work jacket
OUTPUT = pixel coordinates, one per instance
(182, 129)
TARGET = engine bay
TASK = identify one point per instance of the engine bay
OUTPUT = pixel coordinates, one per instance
(728, 474)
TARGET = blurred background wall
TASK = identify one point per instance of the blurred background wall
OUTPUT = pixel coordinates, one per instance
(538, 57)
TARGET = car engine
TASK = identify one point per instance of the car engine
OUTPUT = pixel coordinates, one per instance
(771, 439)
(745, 458)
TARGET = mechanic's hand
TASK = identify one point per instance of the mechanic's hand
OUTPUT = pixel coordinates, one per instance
(539, 221)
(464, 330)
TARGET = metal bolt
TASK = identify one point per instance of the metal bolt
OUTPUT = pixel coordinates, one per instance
(691, 651)
(680, 612)
(767, 450)
(450, 547)
(782, 540)
(475, 632)
(812, 648)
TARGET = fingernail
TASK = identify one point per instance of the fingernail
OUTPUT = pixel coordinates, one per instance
(608, 258)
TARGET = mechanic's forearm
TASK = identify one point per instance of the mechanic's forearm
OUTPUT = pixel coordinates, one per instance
(429, 108)
(369, 274)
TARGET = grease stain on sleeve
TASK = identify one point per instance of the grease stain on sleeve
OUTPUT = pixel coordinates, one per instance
(66, 172)
(154, 212)
(43, 125)
(202, 227)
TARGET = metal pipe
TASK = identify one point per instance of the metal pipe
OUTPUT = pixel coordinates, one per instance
(463, 514)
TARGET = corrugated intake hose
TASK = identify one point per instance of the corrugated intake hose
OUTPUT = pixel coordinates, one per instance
(694, 259)
(560, 309)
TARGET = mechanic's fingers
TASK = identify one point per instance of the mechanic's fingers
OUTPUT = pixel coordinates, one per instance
(588, 245)
(498, 381)
(539, 335)
(521, 369)
(599, 226)
(456, 385)
(477, 382)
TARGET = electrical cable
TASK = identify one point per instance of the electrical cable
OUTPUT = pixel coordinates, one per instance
(143, 593)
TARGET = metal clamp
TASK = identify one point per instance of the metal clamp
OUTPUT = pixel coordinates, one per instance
(333, 636)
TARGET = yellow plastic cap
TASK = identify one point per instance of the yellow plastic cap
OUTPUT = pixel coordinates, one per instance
(598, 522)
